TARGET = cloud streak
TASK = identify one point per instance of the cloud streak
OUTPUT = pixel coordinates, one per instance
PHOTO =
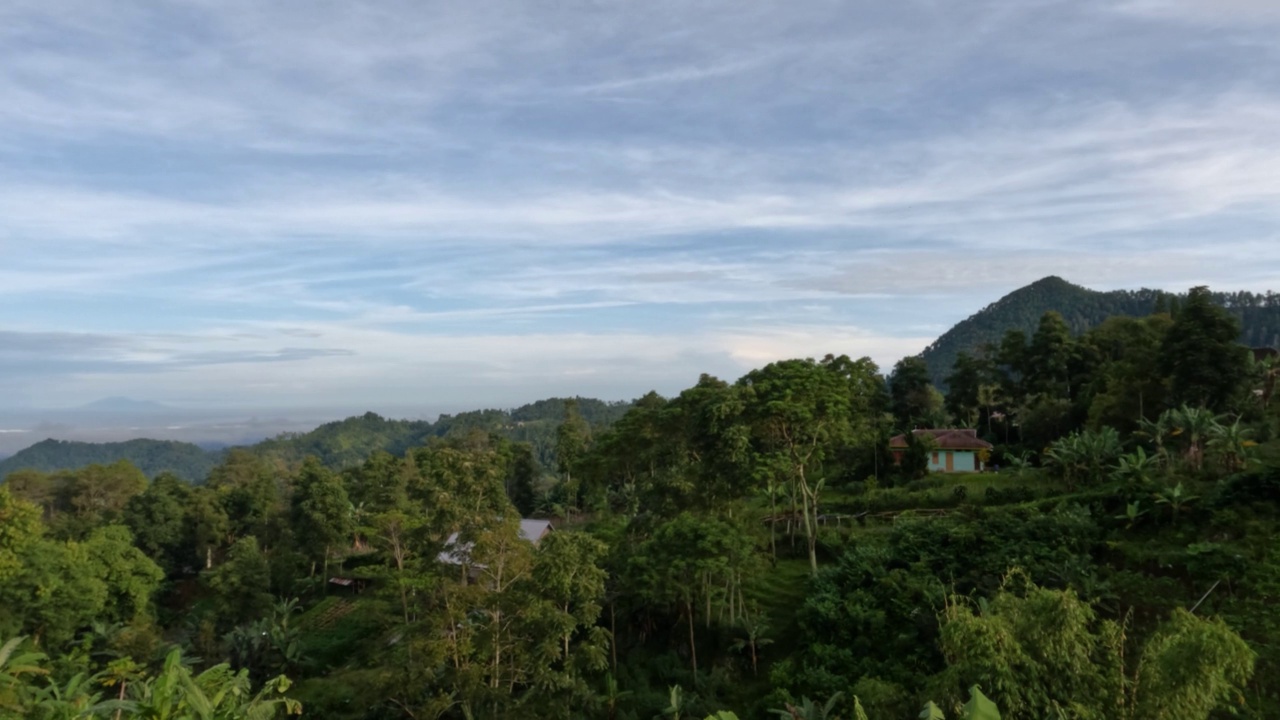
(321, 202)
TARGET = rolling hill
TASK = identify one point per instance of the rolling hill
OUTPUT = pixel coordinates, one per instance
(152, 457)
(337, 444)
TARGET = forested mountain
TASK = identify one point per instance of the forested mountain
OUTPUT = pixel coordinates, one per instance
(1082, 308)
(189, 462)
(337, 445)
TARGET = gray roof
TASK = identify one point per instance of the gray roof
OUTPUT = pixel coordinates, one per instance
(533, 530)
(530, 529)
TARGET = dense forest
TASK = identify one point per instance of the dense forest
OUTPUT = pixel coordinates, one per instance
(745, 549)
(1082, 309)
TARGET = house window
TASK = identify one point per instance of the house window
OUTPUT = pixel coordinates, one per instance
(935, 457)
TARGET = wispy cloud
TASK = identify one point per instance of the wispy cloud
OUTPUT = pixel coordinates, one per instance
(515, 201)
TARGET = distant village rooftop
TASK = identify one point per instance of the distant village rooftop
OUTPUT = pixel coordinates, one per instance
(532, 530)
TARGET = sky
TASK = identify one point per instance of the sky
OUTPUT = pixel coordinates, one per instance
(218, 203)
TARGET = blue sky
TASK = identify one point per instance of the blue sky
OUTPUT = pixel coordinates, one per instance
(399, 204)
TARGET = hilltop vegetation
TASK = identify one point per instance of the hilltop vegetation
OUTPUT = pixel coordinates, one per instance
(751, 545)
(337, 445)
(153, 457)
(1082, 309)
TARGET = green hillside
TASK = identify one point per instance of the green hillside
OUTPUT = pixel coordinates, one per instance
(339, 444)
(152, 457)
(349, 442)
(1082, 309)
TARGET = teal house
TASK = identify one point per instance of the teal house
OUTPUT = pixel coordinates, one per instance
(951, 450)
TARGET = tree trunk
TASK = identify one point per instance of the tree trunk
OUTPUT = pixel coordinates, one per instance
(325, 579)
(613, 630)
(809, 530)
(693, 646)
(773, 526)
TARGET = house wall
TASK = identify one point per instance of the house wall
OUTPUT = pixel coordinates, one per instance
(966, 461)
(962, 461)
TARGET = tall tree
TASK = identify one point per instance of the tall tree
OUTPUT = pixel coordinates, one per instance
(799, 412)
(159, 521)
(1047, 363)
(241, 585)
(968, 376)
(249, 491)
(521, 475)
(573, 437)
(1200, 355)
(321, 513)
(914, 400)
(131, 577)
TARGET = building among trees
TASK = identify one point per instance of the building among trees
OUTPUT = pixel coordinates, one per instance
(950, 450)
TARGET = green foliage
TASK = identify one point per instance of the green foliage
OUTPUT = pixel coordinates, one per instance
(679, 571)
(158, 518)
(241, 585)
(979, 706)
(321, 514)
(1046, 653)
(175, 692)
(1201, 356)
(809, 710)
(913, 399)
(1191, 668)
(932, 712)
(1084, 457)
(131, 577)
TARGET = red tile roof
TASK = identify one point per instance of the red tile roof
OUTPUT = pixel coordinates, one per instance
(946, 439)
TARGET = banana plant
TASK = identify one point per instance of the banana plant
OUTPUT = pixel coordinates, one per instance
(1136, 468)
(15, 669)
(1132, 513)
(1176, 498)
(1232, 445)
(809, 710)
(1194, 426)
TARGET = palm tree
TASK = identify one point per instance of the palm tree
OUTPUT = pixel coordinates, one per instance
(988, 395)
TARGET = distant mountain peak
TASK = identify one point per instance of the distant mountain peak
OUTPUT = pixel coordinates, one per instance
(1052, 280)
(1082, 309)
